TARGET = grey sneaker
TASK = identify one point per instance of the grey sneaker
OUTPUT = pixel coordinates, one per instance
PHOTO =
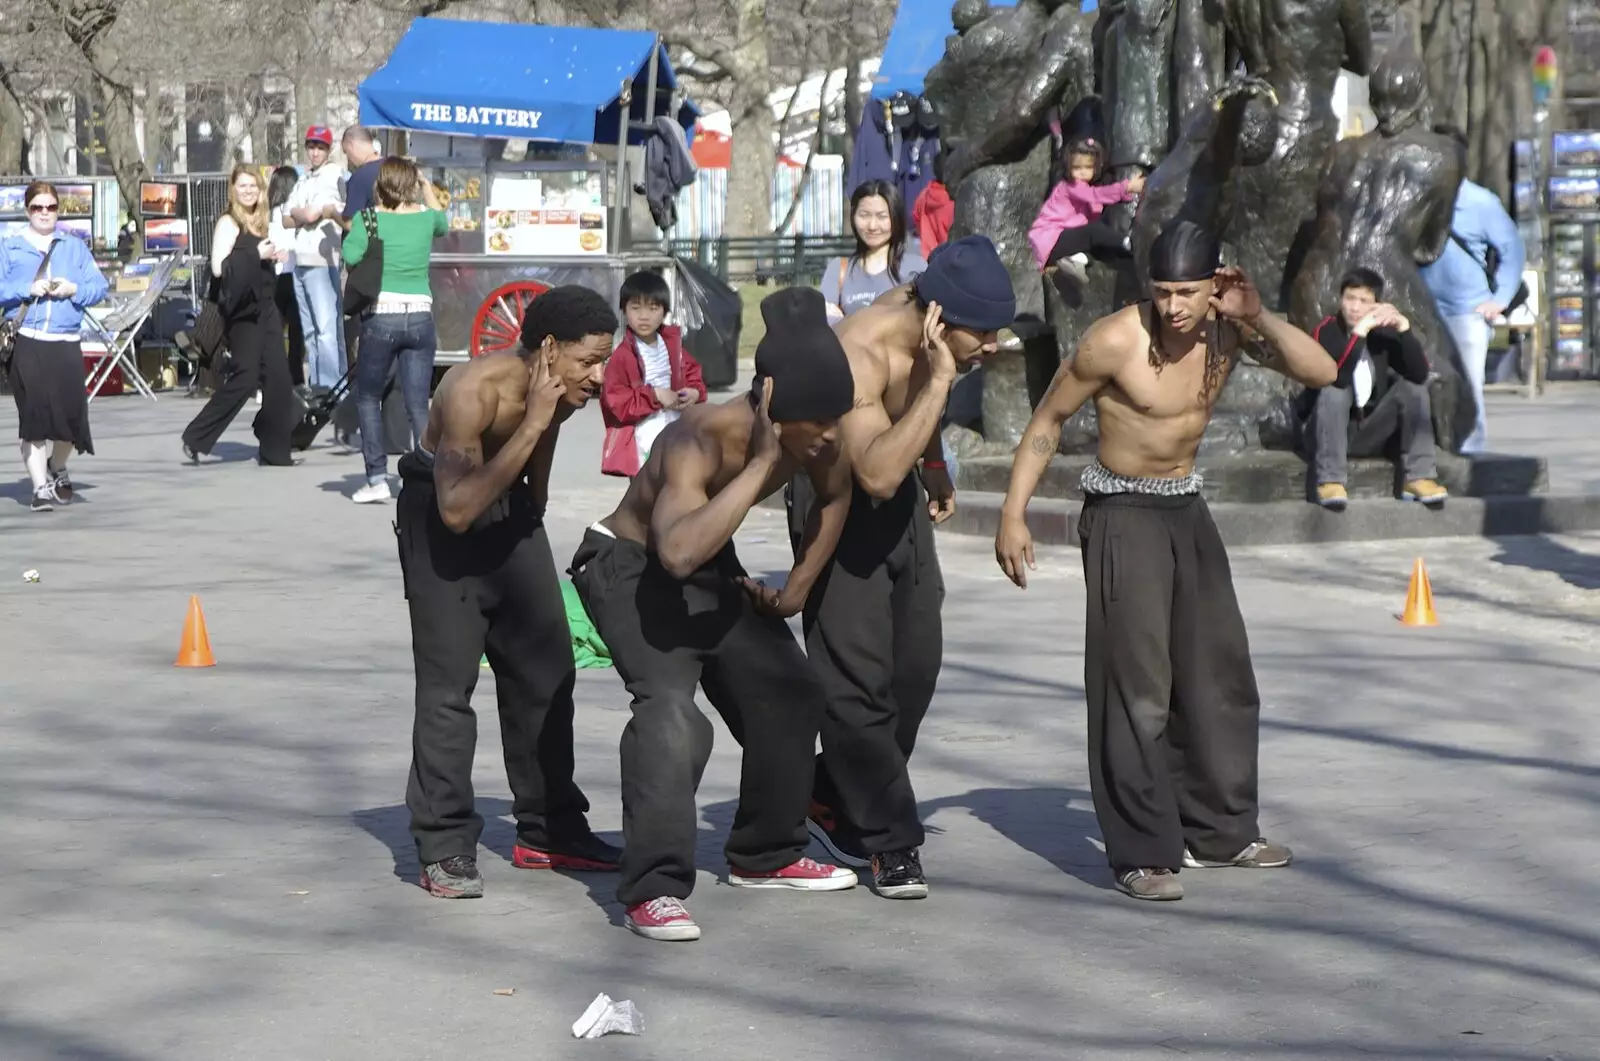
(1258, 854)
(456, 877)
(1157, 885)
(63, 486)
(1075, 270)
(45, 499)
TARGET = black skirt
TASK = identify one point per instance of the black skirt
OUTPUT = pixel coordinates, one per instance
(47, 382)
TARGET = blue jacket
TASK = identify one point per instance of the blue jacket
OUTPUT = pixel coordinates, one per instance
(1457, 279)
(19, 262)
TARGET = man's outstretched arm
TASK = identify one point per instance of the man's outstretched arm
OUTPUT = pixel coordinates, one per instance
(1093, 366)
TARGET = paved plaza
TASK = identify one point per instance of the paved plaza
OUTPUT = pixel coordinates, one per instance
(214, 865)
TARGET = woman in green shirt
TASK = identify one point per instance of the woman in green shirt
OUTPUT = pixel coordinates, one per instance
(399, 328)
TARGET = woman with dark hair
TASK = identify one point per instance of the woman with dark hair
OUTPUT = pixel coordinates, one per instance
(398, 332)
(284, 178)
(47, 280)
(880, 262)
(244, 273)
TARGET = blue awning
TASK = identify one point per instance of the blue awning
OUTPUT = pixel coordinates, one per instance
(516, 81)
(916, 41)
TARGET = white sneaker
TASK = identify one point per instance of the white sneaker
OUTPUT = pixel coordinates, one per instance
(372, 494)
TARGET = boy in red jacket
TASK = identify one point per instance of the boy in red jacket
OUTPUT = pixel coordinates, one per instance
(649, 378)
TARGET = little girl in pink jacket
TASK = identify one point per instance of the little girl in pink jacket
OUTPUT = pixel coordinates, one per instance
(1068, 229)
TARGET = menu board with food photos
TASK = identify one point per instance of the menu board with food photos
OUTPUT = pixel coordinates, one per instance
(546, 213)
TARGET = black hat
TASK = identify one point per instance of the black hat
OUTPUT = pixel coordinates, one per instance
(971, 285)
(803, 357)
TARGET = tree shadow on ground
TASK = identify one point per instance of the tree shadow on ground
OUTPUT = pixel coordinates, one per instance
(1040, 821)
(1541, 554)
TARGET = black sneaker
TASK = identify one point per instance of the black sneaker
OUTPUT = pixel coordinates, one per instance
(44, 498)
(63, 486)
(898, 875)
(190, 455)
(456, 877)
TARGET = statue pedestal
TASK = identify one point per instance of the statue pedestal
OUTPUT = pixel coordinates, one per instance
(1263, 476)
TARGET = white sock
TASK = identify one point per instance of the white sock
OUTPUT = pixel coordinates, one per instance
(37, 458)
(58, 457)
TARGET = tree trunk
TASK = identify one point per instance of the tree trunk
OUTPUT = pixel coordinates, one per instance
(854, 101)
(12, 140)
(754, 160)
(122, 145)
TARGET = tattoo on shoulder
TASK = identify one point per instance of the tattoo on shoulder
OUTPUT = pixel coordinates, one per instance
(864, 403)
(1043, 445)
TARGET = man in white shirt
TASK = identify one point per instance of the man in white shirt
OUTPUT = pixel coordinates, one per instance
(313, 213)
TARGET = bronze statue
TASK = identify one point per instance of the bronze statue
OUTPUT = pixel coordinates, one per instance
(1298, 47)
(1199, 180)
(1385, 202)
(1160, 60)
(1001, 74)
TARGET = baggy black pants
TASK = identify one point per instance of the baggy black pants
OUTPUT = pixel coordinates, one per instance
(875, 639)
(666, 636)
(492, 590)
(1173, 707)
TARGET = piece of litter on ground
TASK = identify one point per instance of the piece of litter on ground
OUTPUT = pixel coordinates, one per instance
(506, 991)
(30, 575)
(605, 1016)
(299, 893)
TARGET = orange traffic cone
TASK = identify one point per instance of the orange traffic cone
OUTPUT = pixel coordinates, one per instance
(195, 649)
(1419, 599)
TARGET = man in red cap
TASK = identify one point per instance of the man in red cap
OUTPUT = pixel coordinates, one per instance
(312, 211)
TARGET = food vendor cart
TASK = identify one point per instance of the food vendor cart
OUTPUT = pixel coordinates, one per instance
(524, 130)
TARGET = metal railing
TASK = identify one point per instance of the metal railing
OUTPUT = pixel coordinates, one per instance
(765, 259)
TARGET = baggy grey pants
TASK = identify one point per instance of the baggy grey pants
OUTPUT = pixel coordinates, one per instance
(1336, 435)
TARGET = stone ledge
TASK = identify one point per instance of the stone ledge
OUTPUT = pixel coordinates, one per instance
(1055, 521)
(1269, 476)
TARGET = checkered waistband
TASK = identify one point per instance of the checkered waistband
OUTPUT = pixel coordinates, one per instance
(1098, 479)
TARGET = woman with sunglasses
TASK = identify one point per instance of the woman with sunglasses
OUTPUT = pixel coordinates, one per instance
(47, 280)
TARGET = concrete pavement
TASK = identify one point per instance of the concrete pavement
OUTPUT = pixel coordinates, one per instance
(214, 865)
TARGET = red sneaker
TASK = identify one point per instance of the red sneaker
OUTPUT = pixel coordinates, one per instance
(665, 919)
(591, 855)
(806, 875)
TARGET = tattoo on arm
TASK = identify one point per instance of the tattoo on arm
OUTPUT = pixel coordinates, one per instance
(456, 461)
(863, 403)
(1042, 445)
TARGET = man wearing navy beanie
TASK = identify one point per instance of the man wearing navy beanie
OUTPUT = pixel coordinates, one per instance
(873, 630)
(660, 579)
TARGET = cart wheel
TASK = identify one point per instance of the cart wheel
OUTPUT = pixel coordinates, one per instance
(498, 325)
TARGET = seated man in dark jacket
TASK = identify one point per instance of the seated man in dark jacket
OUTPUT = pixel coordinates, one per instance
(1381, 392)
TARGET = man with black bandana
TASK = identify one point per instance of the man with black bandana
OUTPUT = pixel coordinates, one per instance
(480, 580)
(1173, 709)
(661, 580)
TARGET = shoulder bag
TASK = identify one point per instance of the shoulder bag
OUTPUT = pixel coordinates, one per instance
(10, 326)
(366, 276)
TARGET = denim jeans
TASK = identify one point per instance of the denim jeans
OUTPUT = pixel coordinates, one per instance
(1472, 333)
(388, 339)
(316, 289)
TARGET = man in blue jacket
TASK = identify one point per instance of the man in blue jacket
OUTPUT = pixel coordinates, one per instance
(1470, 298)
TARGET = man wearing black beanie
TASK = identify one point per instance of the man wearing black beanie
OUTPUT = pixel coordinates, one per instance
(660, 579)
(873, 630)
(1174, 714)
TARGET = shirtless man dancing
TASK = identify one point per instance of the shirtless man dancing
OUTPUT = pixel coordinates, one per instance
(1173, 708)
(666, 591)
(480, 580)
(873, 631)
